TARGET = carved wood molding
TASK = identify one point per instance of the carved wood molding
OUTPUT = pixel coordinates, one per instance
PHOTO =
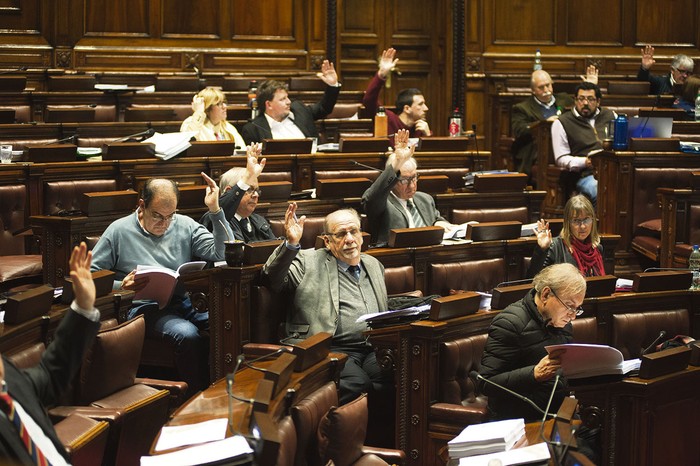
(458, 38)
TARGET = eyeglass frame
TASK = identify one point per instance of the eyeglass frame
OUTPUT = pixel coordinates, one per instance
(159, 218)
(582, 98)
(575, 311)
(582, 221)
(222, 104)
(355, 232)
(252, 190)
(683, 72)
(405, 181)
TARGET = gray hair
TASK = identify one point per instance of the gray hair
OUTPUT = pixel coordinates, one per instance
(230, 178)
(329, 218)
(683, 61)
(564, 279)
(392, 157)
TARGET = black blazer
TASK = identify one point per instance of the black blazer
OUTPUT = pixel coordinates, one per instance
(39, 387)
(304, 117)
(659, 84)
(229, 202)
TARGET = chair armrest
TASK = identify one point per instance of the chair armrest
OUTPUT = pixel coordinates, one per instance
(457, 414)
(77, 431)
(178, 390)
(99, 414)
(387, 454)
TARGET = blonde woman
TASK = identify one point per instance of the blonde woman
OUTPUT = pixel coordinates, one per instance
(578, 243)
(209, 118)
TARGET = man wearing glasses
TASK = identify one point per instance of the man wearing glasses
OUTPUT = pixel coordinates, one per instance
(332, 287)
(578, 134)
(239, 198)
(156, 235)
(393, 200)
(681, 67)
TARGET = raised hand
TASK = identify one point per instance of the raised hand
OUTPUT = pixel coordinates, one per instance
(83, 286)
(402, 151)
(197, 104)
(544, 234)
(293, 226)
(387, 62)
(254, 167)
(328, 74)
(591, 75)
(648, 57)
(211, 198)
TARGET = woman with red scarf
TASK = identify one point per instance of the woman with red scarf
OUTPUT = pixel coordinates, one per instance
(578, 243)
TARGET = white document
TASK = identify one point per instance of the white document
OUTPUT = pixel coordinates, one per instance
(586, 360)
(168, 145)
(191, 434)
(229, 448)
(532, 454)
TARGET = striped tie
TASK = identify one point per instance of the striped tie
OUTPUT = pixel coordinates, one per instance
(415, 215)
(8, 406)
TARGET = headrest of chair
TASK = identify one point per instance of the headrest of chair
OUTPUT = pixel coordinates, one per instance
(112, 361)
(342, 431)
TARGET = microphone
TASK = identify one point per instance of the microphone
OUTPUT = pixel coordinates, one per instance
(14, 70)
(656, 102)
(196, 70)
(366, 166)
(476, 140)
(477, 376)
(229, 391)
(146, 134)
(551, 443)
(69, 139)
(280, 350)
(662, 335)
(663, 269)
(514, 282)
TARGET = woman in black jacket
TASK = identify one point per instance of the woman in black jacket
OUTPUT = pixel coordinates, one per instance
(578, 243)
(515, 355)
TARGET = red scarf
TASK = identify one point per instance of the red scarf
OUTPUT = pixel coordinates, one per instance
(588, 258)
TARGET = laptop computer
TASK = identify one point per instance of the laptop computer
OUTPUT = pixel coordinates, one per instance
(650, 127)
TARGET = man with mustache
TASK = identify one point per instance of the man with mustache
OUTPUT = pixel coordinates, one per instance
(543, 105)
(578, 134)
(681, 67)
(283, 119)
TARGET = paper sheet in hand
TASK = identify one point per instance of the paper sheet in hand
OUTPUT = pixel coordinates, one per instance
(585, 360)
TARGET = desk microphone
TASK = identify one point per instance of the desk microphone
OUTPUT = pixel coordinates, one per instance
(646, 120)
(146, 134)
(664, 269)
(552, 444)
(366, 166)
(662, 335)
(476, 140)
(229, 391)
(477, 376)
(14, 70)
(249, 364)
(68, 139)
(514, 282)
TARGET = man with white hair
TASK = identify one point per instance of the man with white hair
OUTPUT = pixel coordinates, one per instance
(681, 67)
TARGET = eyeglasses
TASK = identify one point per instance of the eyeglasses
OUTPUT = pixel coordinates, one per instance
(252, 191)
(158, 218)
(577, 311)
(582, 221)
(583, 99)
(684, 72)
(340, 235)
(408, 180)
(221, 105)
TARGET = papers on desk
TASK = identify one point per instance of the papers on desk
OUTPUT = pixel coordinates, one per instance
(390, 315)
(459, 231)
(489, 437)
(168, 145)
(623, 284)
(531, 454)
(229, 448)
(191, 434)
(581, 360)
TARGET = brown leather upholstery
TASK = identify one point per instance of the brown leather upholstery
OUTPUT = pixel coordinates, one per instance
(399, 279)
(458, 403)
(585, 329)
(288, 442)
(313, 226)
(28, 357)
(151, 112)
(275, 176)
(631, 332)
(341, 174)
(16, 268)
(307, 415)
(344, 110)
(455, 175)
(476, 275)
(681, 252)
(85, 439)
(518, 214)
(104, 113)
(64, 196)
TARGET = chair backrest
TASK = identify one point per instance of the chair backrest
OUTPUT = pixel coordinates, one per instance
(399, 279)
(13, 218)
(457, 359)
(288, 442)
(342, 174)
(64, 196)
(518, 214)
(646, 180)
(585, 330)
(694, 225)
(455, 175)
(476, 275)
(307, 415)
(28, 357)
(633, 331)
(313, 226)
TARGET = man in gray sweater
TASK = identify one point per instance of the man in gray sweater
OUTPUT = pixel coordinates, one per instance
(155, 235)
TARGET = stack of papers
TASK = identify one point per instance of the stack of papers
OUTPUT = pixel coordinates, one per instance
(581, 360)
(533, 454)
(168, 145)
(490, 437)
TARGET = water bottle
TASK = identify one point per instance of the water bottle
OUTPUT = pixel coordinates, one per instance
(380, 123)
(620, 138)
(538, 61)
(455, 125)
(697, 107)
(252, 100)
(694, 266)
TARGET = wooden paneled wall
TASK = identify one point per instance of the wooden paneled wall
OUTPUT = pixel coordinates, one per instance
(459, 52)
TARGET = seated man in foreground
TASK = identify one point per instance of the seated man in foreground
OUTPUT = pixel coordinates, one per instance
(332, 287)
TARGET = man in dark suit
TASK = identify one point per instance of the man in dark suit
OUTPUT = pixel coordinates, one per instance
(681, 67)
(284, 119)
(240, 198)
(32, 390)
(393, 200)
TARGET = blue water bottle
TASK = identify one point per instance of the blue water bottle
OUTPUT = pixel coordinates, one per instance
(620, 138)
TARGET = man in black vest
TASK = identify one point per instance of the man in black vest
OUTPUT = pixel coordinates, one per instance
(578, 134)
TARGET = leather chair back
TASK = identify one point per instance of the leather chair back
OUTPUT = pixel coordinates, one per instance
(28, 357)
(13, 217)
(585, 330)
(307, 415)
(288, 442)
(341, 174)
(64, 196)
(275, 176)
(518, 214)
(399, 279)
(632, 332)
(646, 180)
(313, 226)
(476, 275)
(457, 359)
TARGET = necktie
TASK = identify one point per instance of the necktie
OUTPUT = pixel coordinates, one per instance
(415, 215)
(245, 224)
(8, 406)
(355, 271)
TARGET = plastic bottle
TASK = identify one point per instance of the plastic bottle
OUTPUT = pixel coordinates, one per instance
(620, 138)
(538, 61)
(455, 126)
(380, 123)
(694, 266)
(697, 107)
(252, 100)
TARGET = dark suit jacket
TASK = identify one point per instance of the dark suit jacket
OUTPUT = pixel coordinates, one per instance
(304, 117)
(40, 386)
(659, 84)
(524, 114)
(229, 203)
(386, 212)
